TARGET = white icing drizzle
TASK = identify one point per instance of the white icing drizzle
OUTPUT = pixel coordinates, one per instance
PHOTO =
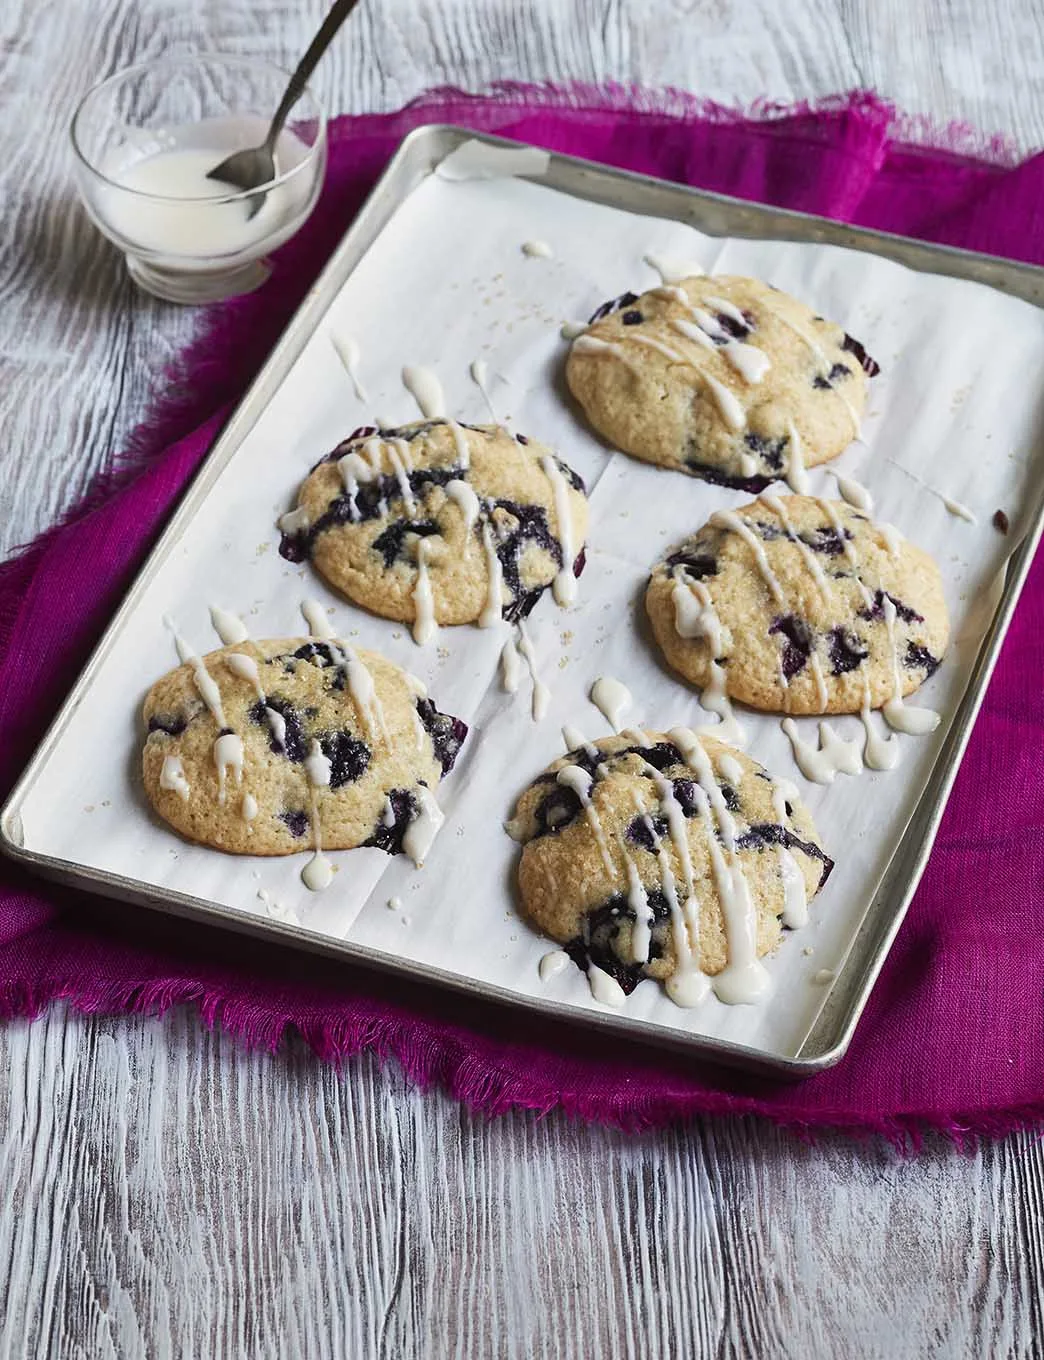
(316, 618)
(388, 814)
(229, 627)
(748, 465)
(579, 781)
(294, 521)
(797, 476)
(730, 768)
(650, 342)
(699, 619)
(612, 699)
(277, 723)
(424, 826)
(565, 582)
(460, 443)
(604, 988)
(570, 330)
(855, 493)
(479, 372)
(354, 469)
(830, 510)
(744, 977)
(363, 691)
(317, 873)
(823, 976)
(816, 667)
(893, 539)
(248, 808)
(821, 355)
(493, 608)
(574, 740)
(347, 350)
(317, 767)
(808, 556)
(172, 777)
(689, 328)
(590, 344)
(537, 250)
(731, 411)
(954, 507)
(879, 753)
(246, 668)
(426, 391)
(228, 755)
(687, 947)
(415, 685)
(728, 309)
(795, 899)
(728, 519)
(915, 722)
(834, 756)
(672, 270)
(749, 362)
(399, 456)
(424, 622)
(644, 916)
(510, 665)
(203, 680)
(462, 495)
(541, 693)
(552, 964)
(694, 613)
(395, 904)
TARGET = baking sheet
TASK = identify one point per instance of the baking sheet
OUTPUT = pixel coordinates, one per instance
(445, 284)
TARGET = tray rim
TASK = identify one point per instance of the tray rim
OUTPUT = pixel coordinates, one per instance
(416, 156)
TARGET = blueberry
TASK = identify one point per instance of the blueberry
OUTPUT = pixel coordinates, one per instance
(573, 478)
(840, 371)
(531, 526)
(770, 451)
(171, 723)
(632, 318)
(685, 796)
(391, 543)
(521, 438)
(639, 833)
(1000, 521)
(920, 659)
(797, 644)
(771, 833)
(708, 472)
(902, 611)
(846, 651)
(661, 756)
(559, 809)
(599, 944)
(447, 733)
(869, 366)
(349, 758)
(298, 822)
(730, 797)
(615, 305)
(826, 539)
(389, 838)
(293, 747)
(694, 564)
(736, 330)
(822, 383)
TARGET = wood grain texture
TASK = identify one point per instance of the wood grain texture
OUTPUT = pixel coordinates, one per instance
(163, 1192)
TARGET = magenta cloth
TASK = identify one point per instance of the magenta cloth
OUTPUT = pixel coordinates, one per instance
(953, 1037)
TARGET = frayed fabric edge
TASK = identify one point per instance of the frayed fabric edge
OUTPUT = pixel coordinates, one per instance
(490, 1091)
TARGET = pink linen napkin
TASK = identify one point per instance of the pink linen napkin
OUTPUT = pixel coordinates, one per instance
(953, 1038)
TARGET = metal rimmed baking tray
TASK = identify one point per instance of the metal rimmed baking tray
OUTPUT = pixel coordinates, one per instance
(294, 411)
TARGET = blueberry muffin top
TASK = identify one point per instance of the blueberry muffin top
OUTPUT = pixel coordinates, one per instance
(442, 523)
(799, 605)
(270, 747)
(724, 378)
(668, 856)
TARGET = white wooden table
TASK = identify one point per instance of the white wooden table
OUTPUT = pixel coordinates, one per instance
(165, 1193)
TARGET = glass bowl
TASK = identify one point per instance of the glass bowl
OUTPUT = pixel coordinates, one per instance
(143, 140)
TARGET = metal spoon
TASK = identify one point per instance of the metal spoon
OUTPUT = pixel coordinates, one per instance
(254, 167)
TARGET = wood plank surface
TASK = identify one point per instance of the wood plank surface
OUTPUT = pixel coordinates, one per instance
(164, 1192)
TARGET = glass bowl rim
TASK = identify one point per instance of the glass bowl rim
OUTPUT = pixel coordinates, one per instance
(197, 59)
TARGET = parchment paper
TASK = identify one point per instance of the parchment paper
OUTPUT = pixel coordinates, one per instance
(958, 402)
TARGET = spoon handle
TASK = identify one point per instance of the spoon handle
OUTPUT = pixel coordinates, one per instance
(339, 11)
